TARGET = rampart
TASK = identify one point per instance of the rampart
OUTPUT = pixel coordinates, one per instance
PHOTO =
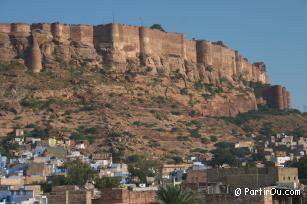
(277, 97)
(129, 48)
(132, 41)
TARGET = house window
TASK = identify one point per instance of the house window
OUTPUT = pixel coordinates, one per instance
(289, 178)
(294, 178)
(284, 178)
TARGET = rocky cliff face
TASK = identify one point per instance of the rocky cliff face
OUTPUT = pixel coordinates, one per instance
(123, 50)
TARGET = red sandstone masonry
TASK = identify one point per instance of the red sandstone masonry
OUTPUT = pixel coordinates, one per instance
(82, 33)
(5, 28)
(20, 27)
(131, 41)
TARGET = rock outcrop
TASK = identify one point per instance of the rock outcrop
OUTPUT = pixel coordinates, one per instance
(122, 49)
(35, 59)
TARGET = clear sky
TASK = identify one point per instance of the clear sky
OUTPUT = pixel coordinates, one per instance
(273, 31)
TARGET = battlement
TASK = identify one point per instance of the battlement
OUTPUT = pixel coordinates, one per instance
(133, 41)
(131, 48)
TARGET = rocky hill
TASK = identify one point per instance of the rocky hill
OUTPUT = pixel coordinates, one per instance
(130, 89)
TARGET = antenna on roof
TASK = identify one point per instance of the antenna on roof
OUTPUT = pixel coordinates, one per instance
(113, 18)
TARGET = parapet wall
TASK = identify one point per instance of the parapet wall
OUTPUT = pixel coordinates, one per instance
(132, 41)
(130, 48)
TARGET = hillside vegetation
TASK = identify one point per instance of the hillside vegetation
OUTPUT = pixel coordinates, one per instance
(161, 116)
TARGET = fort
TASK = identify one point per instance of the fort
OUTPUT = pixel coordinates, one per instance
(131, 48)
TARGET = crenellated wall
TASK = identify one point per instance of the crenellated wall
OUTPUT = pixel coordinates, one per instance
(130, 48)
(128, 42)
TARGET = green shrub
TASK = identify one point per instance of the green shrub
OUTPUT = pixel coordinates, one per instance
(174, 129)
(160, 115)
(204, 140)
(91, 130)
(158, 27)
(76, 136)
(199, 85)
(183, 138)
(88, 107)
(175, 112)
(31, 125)
(154, 144)
(177, 159)
(193, 113)
(108, 105)
(184, 91)
(194, 133)
(43, 134)
(160, 129)
(91, 138)
(200, 150)
(213, 138)
(107, 182)
(147, 125)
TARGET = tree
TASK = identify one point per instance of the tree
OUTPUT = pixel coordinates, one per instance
(78, 173)
(177, 159)
(225, 156)
(143, 167)
(174, 195)
(107, 182)
(301, 164)
(55, 180)
(158, 27)
(226, 153)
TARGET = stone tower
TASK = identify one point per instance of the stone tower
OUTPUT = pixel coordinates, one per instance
(35, 57)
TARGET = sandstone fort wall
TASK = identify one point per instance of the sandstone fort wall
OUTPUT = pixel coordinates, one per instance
(63, 43)
(126, 40)
(132, 41)
(82, 33)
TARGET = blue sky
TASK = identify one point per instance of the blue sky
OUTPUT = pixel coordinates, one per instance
(273, 31)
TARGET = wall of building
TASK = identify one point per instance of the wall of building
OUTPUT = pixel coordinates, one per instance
(18, 181)
(287, 175)
(113, 196)
(201, 198)
(243, 177)
(69, 195)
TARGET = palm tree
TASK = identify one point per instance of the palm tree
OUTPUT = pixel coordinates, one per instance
(174, 195)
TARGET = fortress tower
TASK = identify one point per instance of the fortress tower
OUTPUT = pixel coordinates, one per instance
(35, 56)
(127, 48)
